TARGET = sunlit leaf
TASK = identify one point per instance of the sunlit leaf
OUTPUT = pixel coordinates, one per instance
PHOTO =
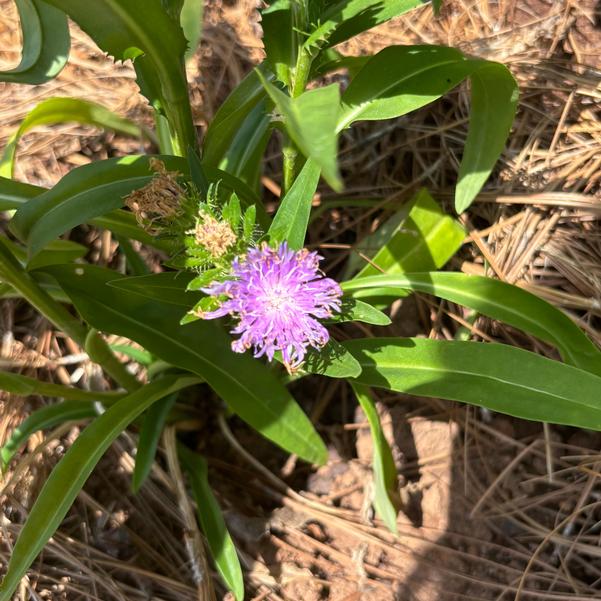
(291, 220)
(280, 37)
(385, 476)
(191, 22)
(46, 43)
(496, 376)
(142, 31)
(401, 79)
(315, 136)
(353, 309)
(66, 110)
(419, 237)
(346, 18)
(495, 299)
(494, 102)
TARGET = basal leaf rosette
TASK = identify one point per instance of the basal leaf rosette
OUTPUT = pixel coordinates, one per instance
(277, 296)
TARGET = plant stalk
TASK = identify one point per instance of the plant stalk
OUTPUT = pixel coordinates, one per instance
(289, 150)
(289, 154)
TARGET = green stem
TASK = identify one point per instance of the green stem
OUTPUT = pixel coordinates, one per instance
(301, 72)
(178, 111)
(289, 151)
(163, 133)
(184, 134)
(12, 273)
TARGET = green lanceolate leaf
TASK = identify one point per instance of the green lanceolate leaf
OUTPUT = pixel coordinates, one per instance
(496, 376)
(494, 102)
(291, 220)
(25, 386)
(55, 253)
(99, 351)
(497, 300)
(401, 79)
(13, 274)
(72, 471)
(202, 347)
(168, 287)
(42, 419)
(347, 18)
(231, 115)
(420, 237)
(46, 43)
(279, 25)
(150, 432)
(137, 354)
(45, 282)
(141, 30)
(385, 476)
(213, 525)
(65, 110)
(315, 136)
(244, 157)
(333, 360)
(191, 22)
(84, 193)
(14, 194)
(353, 309)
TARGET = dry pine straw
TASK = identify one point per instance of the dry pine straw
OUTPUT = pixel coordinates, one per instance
(509, 510)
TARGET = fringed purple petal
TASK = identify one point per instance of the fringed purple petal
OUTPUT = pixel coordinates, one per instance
(277, 296)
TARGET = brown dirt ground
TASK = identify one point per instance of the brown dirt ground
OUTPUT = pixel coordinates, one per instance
(493, 508)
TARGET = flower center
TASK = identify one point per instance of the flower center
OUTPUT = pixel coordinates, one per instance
(276, 298)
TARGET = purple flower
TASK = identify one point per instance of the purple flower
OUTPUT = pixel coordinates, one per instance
(277, 296)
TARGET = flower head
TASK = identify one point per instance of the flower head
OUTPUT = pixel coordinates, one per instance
(216, 236)
(157, 201)
(277, 296)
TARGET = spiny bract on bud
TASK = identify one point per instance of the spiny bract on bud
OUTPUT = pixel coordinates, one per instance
(277, 296)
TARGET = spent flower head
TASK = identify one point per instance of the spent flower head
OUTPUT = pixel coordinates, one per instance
(157, 202)
(278, 297)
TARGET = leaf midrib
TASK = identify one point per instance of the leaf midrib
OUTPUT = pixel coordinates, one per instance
(478, 375)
